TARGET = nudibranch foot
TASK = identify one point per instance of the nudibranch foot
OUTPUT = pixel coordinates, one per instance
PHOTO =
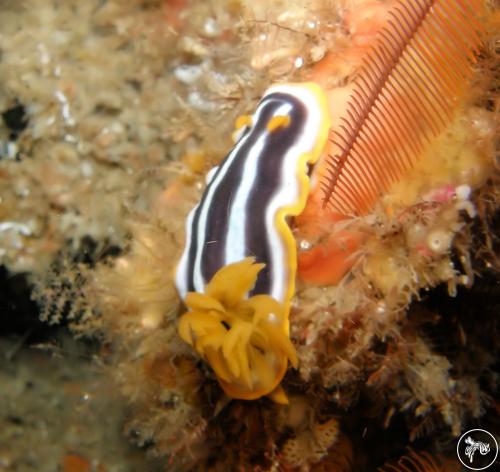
(244, 340)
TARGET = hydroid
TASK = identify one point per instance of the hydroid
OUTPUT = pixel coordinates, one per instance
(405, 94)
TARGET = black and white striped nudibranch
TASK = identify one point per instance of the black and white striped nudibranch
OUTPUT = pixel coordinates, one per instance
(244, 213)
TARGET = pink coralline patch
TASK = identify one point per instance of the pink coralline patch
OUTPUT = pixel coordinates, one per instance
(441, 195)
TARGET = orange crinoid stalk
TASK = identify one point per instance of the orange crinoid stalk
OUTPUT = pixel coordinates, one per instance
(403, 96)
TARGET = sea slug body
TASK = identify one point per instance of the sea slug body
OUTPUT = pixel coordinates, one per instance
(243, 216)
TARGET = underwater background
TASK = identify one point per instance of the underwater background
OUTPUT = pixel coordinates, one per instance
(114, 111)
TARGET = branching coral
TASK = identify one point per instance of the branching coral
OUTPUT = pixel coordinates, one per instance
(244, 340)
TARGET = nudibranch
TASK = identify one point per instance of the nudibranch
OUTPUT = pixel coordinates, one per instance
(237, 272)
